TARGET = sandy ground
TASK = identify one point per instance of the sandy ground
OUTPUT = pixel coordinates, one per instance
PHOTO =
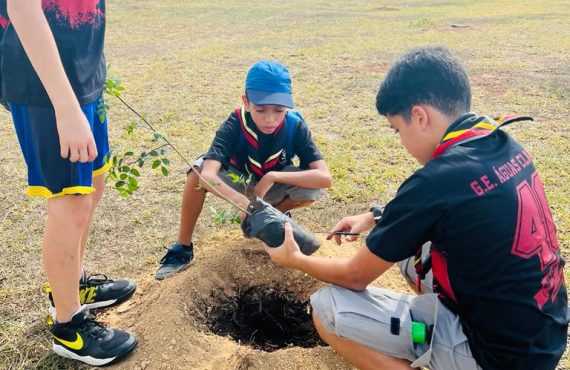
(169, 317)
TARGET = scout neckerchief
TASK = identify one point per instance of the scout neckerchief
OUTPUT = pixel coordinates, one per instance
(251, 134)
(472, 128)
(477, 127)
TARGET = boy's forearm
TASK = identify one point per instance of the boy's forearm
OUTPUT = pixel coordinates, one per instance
(310, 179)
(330, 270)
(35, 34)
(216, 186)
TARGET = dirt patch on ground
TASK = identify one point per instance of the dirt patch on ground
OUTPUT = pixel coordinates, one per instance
(173, 318)
(386, 9)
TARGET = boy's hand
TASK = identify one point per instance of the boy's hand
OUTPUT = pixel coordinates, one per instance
(263, 186)
(353, 224)
(287, 253)
(75, 136)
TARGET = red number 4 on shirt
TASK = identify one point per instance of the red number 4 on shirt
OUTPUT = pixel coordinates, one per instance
(536, 235)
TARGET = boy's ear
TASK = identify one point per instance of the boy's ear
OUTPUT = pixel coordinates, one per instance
(420, 116)
(246, 103)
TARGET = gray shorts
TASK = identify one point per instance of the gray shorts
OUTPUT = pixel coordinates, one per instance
(276, 194)
(367, 318)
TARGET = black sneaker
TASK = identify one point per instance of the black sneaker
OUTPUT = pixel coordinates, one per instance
(86, 340)
(96, 291)
(178, 258)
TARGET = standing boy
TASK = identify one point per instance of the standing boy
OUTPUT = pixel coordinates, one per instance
(257, 141)
(53, 70)
(501, 302)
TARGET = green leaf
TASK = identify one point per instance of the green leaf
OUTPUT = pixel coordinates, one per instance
(135, 172)
(153, 153)
(123, 176)
(133, 181)
(233, 177)
(129, 153)
(164, 171)
(165, 161)
(119, 184)
(236, 219)
(124, 169)
(156, 163)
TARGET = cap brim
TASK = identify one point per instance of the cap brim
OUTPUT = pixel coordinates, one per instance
(259, 97)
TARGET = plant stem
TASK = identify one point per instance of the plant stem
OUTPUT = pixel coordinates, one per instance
(183, 158)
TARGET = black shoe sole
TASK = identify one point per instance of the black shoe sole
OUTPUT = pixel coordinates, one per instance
(162, 277)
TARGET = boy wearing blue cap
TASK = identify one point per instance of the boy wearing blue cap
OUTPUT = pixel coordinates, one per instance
(257, 141)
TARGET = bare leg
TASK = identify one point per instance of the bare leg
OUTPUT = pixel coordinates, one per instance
(192, 204)
(360, 356)
(99, 185)
(67, 220)
(288, 204)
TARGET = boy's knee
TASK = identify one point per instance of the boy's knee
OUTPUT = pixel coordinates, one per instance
(192, 179)
(74, 210)
(99, 185)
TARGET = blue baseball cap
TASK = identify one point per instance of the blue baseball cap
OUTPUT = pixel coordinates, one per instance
(269, 83)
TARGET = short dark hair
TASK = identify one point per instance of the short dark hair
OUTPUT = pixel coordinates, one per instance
(431, 76)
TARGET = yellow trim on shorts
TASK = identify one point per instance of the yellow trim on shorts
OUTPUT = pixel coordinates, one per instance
(42, 191)
(103, 169)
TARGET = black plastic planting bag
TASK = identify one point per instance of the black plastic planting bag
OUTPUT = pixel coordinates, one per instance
(268, 225)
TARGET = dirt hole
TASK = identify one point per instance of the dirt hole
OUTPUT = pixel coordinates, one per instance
(266, 318)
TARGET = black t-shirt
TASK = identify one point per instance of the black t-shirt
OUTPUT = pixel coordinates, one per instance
(227, 144)
(495, 255)
(78, 27)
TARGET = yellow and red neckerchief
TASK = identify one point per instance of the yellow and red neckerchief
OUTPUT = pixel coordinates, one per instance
(252, 140)
(482, 126)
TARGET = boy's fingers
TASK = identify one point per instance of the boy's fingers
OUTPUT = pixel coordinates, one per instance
(288, 233)
(83, 154)
(338, 239)
(64, 151)
(73, 154)
(92, 151)
(351, 238)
